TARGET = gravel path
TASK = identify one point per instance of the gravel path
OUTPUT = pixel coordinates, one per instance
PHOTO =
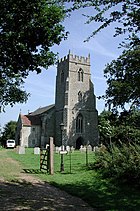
(26, 192)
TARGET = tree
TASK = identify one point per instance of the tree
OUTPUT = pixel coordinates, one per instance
(123, 80)
(28, 30)
(8, 132)
(121, 127)
(125, 13)
(123, 75)
(10, 89)
(106, 126)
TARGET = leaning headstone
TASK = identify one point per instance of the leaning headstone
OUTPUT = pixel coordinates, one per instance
(36, 150)
(21, 150)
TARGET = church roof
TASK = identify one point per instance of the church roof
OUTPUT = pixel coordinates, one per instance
(25, 120)
(30, 120)
(33, 117)
(42, 110)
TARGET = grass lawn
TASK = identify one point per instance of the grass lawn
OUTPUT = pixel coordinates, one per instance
(86, 184)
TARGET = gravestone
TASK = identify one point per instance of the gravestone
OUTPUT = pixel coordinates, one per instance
(57, 150)
(82, 148)
(89, 148)
(72, 149)
(36, 150)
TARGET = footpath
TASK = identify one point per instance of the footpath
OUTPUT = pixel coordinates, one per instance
(20, 191)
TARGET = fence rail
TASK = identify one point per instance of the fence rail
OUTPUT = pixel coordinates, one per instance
(73, 161)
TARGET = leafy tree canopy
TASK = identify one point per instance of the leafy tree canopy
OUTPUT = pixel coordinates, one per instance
(125, 13)
(123, 79)
(123, 74)
(8, 132)
(28, 30)
(120, 127)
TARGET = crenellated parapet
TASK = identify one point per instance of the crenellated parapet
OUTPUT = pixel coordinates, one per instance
(74, 58)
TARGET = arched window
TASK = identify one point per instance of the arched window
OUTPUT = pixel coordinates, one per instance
(80, 74)
(79, 124)
(62, 76)
(79, 96)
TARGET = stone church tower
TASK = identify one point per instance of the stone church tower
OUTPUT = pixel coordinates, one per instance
(75, 104)
(75, 107)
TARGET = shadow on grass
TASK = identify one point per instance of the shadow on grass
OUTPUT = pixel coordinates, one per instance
(38, 196)
(35, 171)
(38, 171)
(105, 195)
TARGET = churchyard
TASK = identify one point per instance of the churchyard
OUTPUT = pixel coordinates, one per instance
(102, 194)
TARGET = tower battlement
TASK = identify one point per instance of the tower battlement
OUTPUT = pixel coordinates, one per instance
(74, 58)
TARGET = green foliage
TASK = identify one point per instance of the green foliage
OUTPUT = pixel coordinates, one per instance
(28, 30)
(11, 91)
(123, 75)
(106, 126)
(9, 131)
(120, 162)
(115, 127)
(123, 79)
(125, 13)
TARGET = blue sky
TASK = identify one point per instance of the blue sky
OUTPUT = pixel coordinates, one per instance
(103, 49)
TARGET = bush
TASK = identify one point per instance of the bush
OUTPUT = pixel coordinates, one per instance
(120, 162)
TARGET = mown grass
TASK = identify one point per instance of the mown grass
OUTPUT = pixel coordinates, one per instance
(6, 166)
(87, 184)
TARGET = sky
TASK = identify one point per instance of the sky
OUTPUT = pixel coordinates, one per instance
(103, 48)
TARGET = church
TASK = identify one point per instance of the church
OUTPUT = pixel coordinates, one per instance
(73, 119)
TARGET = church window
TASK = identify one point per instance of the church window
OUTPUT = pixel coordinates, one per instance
(65, 117)
(62, 76)
(79, 124)
(79, 96)
(66, 98)
(80, 75)
(67, 85)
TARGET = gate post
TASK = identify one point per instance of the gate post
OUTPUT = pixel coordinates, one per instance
(51, 156)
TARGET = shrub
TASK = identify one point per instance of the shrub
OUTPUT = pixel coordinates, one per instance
(120, 162)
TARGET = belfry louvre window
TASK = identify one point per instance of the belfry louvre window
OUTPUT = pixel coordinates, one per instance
(66, 98)
(80, 75)
(67, 85)
(79, 124)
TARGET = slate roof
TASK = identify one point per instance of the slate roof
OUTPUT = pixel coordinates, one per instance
(33, 117)
(42, 110)
(30, 120)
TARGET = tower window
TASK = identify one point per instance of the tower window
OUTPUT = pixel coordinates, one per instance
(79, 124)
(80, 75)
(79, 96)
(62, 76)
(65, 117)
(67, 85)
(66, 98)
